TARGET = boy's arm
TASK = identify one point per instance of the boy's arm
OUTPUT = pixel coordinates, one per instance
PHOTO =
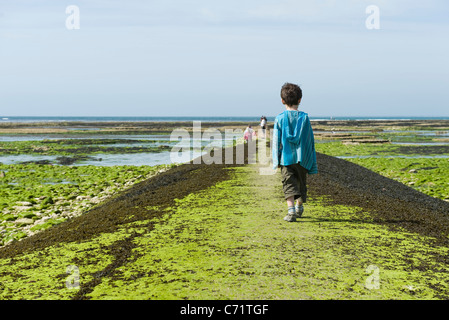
(276, 144)
(314, 169)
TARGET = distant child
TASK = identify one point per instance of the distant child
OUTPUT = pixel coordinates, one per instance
(249, 134)
(293, 150)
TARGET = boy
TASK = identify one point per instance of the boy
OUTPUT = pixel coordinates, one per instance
(293, 150)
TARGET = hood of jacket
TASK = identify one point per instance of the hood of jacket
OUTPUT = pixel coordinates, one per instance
(293, 134)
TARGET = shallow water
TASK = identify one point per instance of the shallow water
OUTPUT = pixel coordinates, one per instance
(130, 159)
(137, 159)
(422, 143)
(16, 159)
(40, 137)
(421, 132)
(395, 156)
(188, 147)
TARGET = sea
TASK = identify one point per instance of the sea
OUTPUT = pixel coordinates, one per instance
(193, 118)
(141, 158)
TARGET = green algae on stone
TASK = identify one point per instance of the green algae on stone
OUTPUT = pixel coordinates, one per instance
(429, 176)
(82, 146)
(59, 193)
(412, 165)
(339, 149)
(230, 242)
(43, 274)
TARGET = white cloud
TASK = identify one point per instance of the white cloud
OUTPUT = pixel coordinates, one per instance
(209, 15)
(114, 13)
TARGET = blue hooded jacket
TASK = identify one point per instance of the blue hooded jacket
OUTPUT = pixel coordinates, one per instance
(293, 141)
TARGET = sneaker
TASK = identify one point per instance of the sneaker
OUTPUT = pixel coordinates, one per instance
(299, 211)
(290, 217)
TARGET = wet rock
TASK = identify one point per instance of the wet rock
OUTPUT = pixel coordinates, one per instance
(24, 203)
(40, 148)
(47, 201)
(428, 168)
(37, 162)
(27, 215)
(24, 221)
(21, 208)
(9, 217)
(43, 220)
(95, 200)
(81, 198)
(63, 160)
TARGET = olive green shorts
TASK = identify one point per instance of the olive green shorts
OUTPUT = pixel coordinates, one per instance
(294, 181)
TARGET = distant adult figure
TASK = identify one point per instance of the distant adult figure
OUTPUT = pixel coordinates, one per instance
(263, 125)
(249, 134)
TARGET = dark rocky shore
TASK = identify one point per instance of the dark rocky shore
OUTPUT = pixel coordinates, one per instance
(115, 127)
(159, 191)
(389, 202)
(167, 126)
(386, 201)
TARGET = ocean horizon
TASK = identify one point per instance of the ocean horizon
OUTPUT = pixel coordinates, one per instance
(195, 118)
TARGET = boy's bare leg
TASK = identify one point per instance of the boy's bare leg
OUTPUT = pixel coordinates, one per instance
(299, 209)
(294, 211)
(291, 202)
(290, 217)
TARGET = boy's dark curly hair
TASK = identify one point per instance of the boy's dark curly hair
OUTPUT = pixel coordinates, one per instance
(291, 94)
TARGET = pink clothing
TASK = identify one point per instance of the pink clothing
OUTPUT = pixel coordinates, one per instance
(249, 134)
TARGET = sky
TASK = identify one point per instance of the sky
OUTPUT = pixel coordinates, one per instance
(223, 58)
